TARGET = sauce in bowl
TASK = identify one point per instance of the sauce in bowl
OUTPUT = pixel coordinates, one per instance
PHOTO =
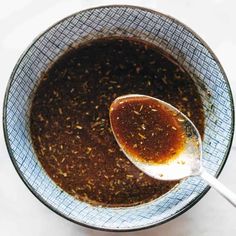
(69, 117)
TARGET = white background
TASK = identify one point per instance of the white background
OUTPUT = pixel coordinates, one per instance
(20, 22)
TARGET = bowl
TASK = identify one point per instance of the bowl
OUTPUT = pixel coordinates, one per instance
(172, 37)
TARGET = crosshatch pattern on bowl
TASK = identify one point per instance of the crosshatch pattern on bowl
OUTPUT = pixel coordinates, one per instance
(169, 35)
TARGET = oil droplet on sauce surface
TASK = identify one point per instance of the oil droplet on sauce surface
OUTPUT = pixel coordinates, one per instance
(146, 129)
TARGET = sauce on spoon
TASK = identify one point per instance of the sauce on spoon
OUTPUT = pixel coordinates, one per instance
(146, 129)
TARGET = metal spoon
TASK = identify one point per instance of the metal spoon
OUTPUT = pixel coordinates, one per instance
(187, 163)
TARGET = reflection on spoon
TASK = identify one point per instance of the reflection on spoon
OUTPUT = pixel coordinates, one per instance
(160, 140)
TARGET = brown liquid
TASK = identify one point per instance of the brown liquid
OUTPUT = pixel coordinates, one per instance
(146, 129)
(69, 119)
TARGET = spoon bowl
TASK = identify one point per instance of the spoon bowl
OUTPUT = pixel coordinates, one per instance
(186, 163)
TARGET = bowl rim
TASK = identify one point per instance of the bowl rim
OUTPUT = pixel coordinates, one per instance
(38, 196)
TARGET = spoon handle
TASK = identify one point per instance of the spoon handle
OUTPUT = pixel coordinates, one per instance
(218, 186)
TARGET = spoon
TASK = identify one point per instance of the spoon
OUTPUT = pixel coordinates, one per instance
(160, 140)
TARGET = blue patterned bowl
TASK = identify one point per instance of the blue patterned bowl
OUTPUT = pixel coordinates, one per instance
(174, 38)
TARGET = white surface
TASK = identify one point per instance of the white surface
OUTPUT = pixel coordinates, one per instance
(20, 22)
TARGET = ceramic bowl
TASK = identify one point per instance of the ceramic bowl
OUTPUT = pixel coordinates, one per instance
(171, 36)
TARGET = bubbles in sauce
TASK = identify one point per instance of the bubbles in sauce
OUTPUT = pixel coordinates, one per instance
(146, 129)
